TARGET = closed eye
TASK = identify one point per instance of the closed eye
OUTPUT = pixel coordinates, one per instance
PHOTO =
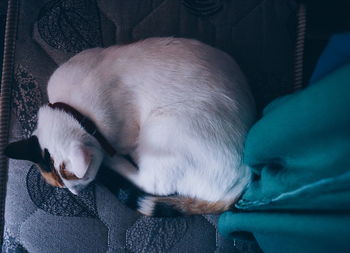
(47, 170)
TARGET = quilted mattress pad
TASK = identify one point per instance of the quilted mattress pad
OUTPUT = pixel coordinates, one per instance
(39, 218)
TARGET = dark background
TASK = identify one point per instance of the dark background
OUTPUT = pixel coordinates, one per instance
(323, 19)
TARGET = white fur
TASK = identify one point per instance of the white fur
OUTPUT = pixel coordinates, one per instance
(146, 204)
(179, 107)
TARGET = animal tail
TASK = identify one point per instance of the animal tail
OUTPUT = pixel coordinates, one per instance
(161, 206)
(157, 206)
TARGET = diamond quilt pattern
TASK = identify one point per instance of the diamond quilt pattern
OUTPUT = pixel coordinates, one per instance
(50, 32)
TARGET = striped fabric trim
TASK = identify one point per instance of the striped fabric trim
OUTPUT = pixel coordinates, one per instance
(5, 100)
(299, 48)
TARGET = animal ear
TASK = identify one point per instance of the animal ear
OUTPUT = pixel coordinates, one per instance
(80, 158)
(28, 149)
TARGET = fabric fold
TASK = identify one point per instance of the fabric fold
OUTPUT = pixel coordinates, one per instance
(299, 200)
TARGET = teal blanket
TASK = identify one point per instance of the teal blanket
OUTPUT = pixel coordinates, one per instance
(299, 200)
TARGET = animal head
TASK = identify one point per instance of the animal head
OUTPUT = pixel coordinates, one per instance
(66, 155)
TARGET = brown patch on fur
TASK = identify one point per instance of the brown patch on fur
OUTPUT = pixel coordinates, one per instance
(190, 206)
(52, 178)
(66, 174)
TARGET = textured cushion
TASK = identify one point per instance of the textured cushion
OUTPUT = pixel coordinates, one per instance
(40, 218)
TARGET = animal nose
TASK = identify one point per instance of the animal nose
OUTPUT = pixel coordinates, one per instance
(76, 189)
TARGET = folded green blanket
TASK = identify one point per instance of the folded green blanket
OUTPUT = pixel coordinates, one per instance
(299, 151)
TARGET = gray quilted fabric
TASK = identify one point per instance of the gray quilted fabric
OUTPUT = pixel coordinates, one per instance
(40, 218)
